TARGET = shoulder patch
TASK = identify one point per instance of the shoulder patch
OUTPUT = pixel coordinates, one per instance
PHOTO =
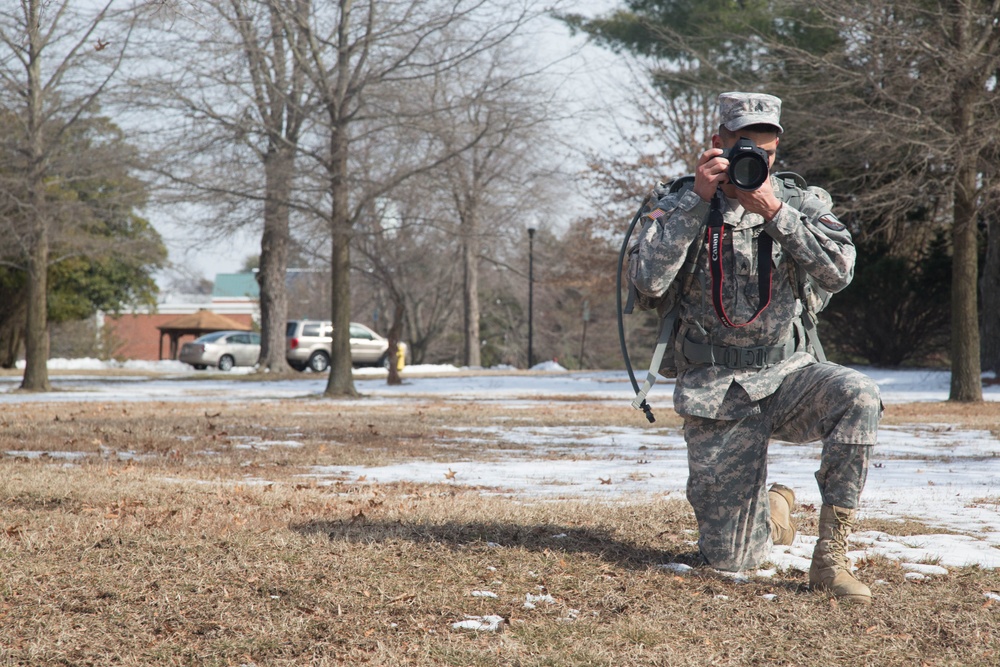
(655, 213)
(830, 221)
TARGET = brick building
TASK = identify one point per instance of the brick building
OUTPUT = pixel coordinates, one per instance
(136, 334)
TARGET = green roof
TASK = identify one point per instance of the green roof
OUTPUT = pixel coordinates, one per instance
(236, 285)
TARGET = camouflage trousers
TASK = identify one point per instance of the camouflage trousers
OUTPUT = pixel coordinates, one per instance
(727, 460)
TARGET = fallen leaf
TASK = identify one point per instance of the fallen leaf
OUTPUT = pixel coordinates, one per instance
(450, 474)
(605, 481)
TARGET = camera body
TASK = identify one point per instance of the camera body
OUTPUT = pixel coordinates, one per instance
(748, 165)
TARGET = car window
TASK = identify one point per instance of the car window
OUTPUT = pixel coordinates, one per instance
(359, 332)
(255, 339)
(310, 329)
(239, 339)
(290, 328)
(210, 338)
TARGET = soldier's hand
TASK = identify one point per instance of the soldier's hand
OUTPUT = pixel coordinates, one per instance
(710, 173)
(762, 200)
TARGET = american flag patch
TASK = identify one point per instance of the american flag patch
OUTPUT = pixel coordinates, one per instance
(655, 213)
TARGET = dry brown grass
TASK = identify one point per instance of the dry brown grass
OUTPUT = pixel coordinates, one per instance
(984, 416)
(171, 555)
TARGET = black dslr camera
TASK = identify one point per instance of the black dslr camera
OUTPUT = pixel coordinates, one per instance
(747, 165)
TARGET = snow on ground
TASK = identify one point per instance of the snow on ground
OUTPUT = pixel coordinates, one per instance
(942, 476)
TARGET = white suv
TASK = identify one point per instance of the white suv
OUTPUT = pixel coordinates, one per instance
(307, 345)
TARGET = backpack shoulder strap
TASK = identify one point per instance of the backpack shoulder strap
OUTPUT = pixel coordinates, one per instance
(679, 184)
(663, 341)
(792, 188)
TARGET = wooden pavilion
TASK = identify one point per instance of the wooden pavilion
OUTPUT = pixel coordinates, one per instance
(196, 324)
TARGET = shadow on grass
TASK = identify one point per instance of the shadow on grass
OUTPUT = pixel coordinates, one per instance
(481, 535)
(474, 536)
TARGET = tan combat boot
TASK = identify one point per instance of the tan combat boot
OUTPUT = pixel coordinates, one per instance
(830, 569)
(782, 502)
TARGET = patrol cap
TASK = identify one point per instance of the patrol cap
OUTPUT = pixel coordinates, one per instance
(739, 110)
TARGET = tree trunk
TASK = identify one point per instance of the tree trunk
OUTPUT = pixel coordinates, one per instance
(395, 329)
(36, 335)
(470, 288)
(989, 332)
(966, 373)
(274, 260)
(341, 380)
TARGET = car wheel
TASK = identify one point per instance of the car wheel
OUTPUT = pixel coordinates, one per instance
(319, 362)
(199, 367)
(383, 361)
(225, 362)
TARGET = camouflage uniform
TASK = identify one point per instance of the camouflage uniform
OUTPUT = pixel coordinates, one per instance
(732, 406)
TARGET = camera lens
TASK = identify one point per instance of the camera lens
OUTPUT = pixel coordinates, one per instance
(747, 171)
(748, 165)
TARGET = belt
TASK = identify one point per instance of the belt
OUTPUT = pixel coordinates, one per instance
(737, 357)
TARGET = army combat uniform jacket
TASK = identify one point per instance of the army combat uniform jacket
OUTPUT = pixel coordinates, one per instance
(723, 371)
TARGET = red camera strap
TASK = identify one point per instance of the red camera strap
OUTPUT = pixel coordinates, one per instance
(716, 233)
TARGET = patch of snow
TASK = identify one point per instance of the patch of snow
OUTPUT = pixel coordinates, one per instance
(485, 594)
(535, 599)
(922, 568)
(480, 623)
(676, 568)
(548, 366)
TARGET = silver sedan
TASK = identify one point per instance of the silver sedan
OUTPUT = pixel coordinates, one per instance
(222, 349)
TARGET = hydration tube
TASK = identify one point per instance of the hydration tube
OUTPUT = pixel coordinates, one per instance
(621, 313)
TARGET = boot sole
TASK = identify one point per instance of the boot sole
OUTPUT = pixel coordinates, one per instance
(852, 599)
(849, 599)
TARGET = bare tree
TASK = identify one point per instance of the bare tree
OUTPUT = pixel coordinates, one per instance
(406, 263)
(55, 65)
(278, 85)
(356, 50)
(503, 110)
(237, 105)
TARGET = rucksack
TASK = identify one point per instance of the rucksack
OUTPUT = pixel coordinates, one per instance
(793, 191)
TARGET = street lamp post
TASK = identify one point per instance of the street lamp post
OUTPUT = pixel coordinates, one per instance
(531, 293)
